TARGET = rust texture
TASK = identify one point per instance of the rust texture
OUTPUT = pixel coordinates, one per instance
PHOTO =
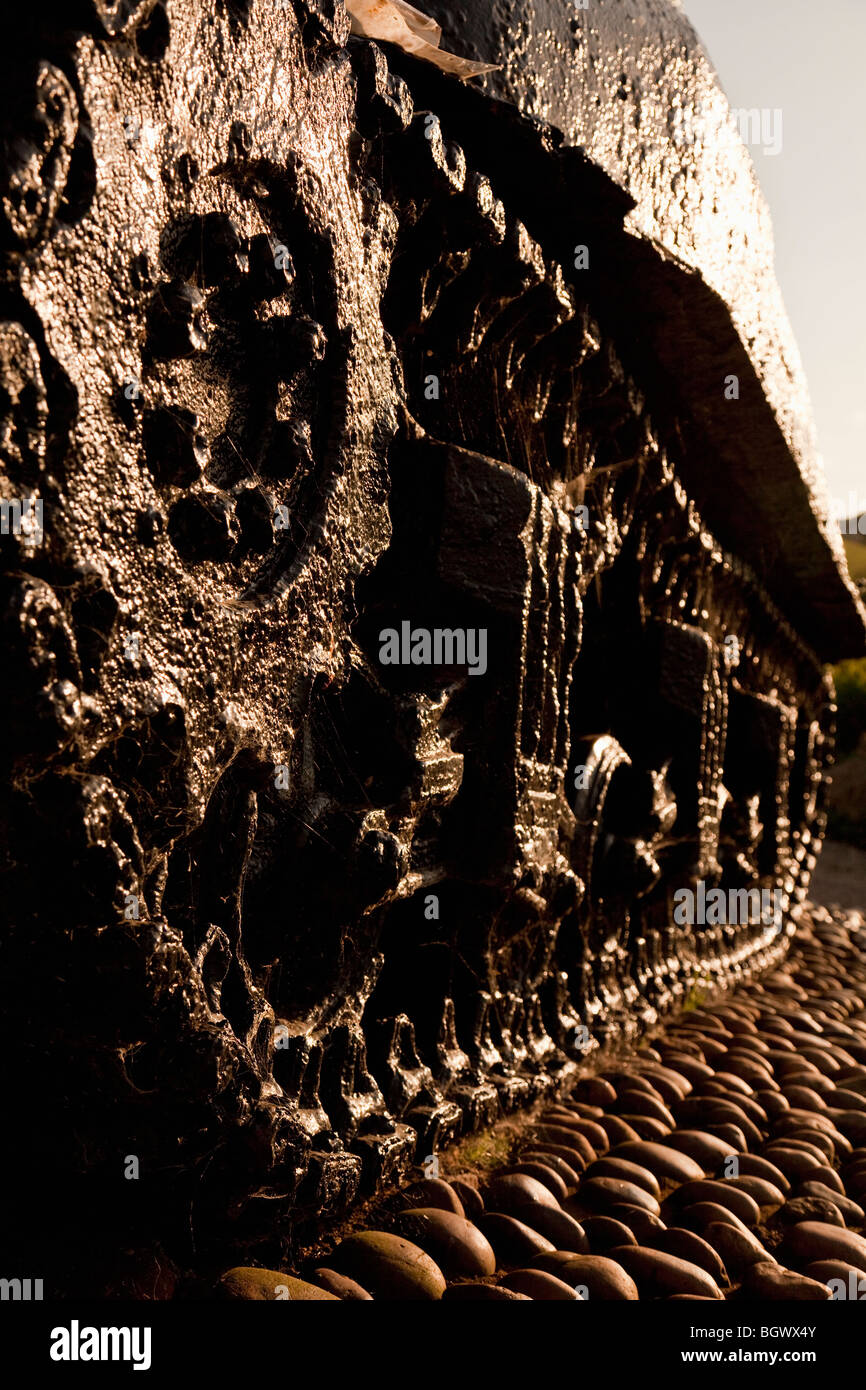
(297, 351)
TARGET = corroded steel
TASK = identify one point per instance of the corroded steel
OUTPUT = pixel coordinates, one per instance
(297, 352)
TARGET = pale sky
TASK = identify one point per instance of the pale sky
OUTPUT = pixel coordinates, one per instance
(807, 59)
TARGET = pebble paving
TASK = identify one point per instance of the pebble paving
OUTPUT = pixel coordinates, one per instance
(725, 1158)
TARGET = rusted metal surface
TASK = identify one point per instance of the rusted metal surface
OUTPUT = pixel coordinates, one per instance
(403, 630)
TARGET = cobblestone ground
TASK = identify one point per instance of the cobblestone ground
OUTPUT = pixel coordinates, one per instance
(723, 1159)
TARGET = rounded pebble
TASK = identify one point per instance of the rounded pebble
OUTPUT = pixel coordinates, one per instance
(389, 1266)
(269, 1285)
(693, 1248)
(600, 1193)
(482, 1293)
(537, 1284)
(658, 1274)
(542, 1173)
(771, 1282)
(434, 1192)
(604, 1279)
(508, 1192)
(818, 1240)
(609, 1167)
(513, 1241)
(711, 1190)
(470, 1198)
(454, 1243)
(604, 1232)
(341, 1286)
(667, 1164)
(559, 1227)
(737, 1249)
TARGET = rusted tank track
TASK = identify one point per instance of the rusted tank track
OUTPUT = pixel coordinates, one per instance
(301, 348)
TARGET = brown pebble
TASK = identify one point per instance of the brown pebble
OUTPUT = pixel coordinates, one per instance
(796, 1164)
(765, 1194)
(589, 1130)
(565, 1139)
(853, 1279)
(389, 1266)
(807, 1142)
(595, 1091)
(481, 1293)
(713, 1190)
(454, 1243)
(771, 1282)
(556, 1261)
(750, 1070)
(670, 1085)
(604, 1279)
(688, 1246)
(632, 1081)
(849, 1100)
(738, 1249)
(810, 1209)
(584, 1111)
(753, 1045)
(852, 1124)
(567, 1114)
(702, 1214)
(570, 1176)
(733, 1085)
(609, 1167)
(647, 1127)
(508, 1192)
(542, 1173)
(829, 1177)
(710, 1111)
(732, 1135)
(691, 1068)
(539, 1285)
(513, 1241)
(818, 1240)
(706, 1149)
(617, 1130)
(644, 1225)
(753, 1165)
(855, 1183)
(470, 1198)
(340, 1286)
(433, 1192)
(807, 1120)
(600, 1193)
(804, 1098)
(826, 1143)
(575, 1159)
(773, 1105)
(604, 1232)
(793, 1076)
(561, 1229)
(658, 1274)
(269, 1285)
(852, 1211)
(667, 1164)
(638, 1103)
